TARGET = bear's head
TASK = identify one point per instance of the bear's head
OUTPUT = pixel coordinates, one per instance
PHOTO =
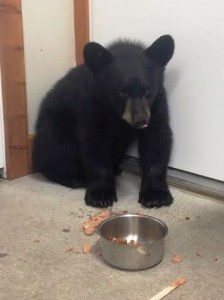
(129, 76)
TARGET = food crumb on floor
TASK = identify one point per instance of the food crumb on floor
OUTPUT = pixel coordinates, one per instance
(179, 282)
(86, 248)
(94, 221)
(176, 259)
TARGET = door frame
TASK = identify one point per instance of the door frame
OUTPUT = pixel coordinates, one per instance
(18, 143)
(2, 151)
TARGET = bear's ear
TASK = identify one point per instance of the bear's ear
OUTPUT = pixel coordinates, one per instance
(96, 57)
(161, 51)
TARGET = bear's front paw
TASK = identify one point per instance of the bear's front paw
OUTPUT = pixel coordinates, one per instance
(155, 198)
(100, 197)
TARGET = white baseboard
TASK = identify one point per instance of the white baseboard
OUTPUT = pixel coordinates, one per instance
(188, 181)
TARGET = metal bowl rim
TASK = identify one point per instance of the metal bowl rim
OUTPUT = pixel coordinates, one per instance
(134, 215)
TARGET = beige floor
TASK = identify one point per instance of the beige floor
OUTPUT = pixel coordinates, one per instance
(32, 209)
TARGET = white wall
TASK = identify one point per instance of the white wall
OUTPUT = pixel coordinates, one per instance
(49, 43)
(195, 76)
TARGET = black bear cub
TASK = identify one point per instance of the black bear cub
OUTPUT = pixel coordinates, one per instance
(92, 115)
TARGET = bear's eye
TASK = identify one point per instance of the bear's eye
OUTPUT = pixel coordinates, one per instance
(122, 94)
(147, 92)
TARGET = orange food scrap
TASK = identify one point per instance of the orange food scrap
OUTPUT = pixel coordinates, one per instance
(94, 221)
(178, 282)
(88, 228)
(169, 289)
(176, 259)
(86, 248)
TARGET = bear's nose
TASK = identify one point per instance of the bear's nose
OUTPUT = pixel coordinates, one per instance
(140, 124)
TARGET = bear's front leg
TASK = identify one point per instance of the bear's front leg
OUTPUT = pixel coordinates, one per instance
(154, 149)
(101, 188)
(99, 170)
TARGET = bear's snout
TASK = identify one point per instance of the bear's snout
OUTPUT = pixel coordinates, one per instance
(137, 113)
(141, 124)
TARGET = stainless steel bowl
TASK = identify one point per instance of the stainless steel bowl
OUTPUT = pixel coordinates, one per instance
(147, 232)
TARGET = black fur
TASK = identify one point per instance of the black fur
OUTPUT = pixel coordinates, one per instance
(81, 138)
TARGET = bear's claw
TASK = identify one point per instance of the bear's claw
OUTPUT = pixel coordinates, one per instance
(155, 198)
(100, 198)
